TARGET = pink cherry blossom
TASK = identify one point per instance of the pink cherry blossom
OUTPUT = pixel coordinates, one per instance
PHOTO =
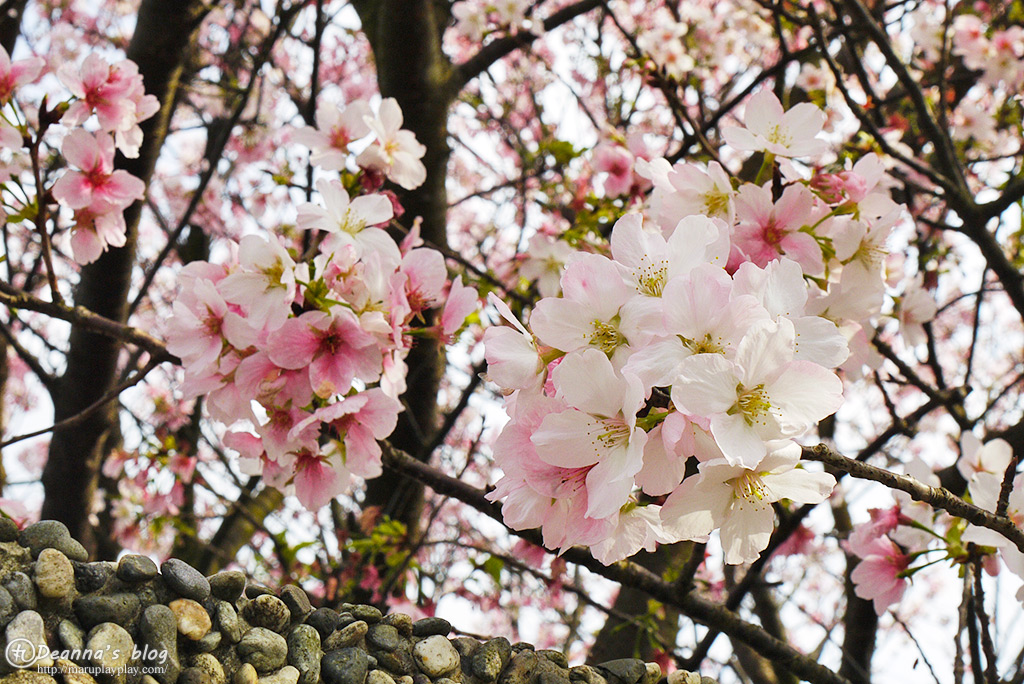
(396, 152)
(598, 430)
(771, 129)
(738, 501)
(115, 93)
(462, 301)
(96, 181)
(332, 345)
(97, 227)
(336, 128)
(761, 395)
(350, 222)
(766, 229)
(877, 576)
(13, 75)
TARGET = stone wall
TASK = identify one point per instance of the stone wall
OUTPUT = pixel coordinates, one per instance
(68, 620)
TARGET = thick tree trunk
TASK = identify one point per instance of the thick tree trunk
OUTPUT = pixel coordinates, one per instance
(159, 47)
(406, 39)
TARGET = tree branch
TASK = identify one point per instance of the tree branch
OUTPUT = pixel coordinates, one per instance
(628, 573)
(492, 52)
(87, 320)
(918, 491)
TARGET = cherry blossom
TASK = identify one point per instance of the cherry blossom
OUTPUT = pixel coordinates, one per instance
(771, 129)
(738, 501)
(97, 184)
(877, 577)
(336, 128)
(395, 152)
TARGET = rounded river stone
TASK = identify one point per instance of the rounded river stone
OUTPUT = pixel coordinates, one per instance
(227, 585)
(55, 577)
(436, 656)
(345, 666)
(185, 580)
(263, 649)
(134, 568)
(304, 653)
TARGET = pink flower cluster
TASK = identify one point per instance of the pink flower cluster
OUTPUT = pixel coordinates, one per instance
(305, 359)
(710, 329)
(96, 192)
(393, 151)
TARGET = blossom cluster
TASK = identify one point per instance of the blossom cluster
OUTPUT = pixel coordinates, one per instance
(304, 356)
(710, 329)
(102, 114)
(475, 18)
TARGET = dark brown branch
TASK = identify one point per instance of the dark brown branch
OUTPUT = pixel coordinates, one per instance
(492, 52)
(85, 413)
(936, 497)
(630, 574)
(87, 320)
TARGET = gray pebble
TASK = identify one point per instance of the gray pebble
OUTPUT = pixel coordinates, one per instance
(324, 620)
(549, 672)
(26, 641)
(349, 635)
(254, 589)
(7, 607)
(22, 591)
(134, 568)
(368, 614)
(627, 670)
(383, 637)
(158, 630)
(488, 662)
(436, 656)
(345, 666)
(265, 650)
(72, 673)
(194, 675)
(227, 585)
(380, 677)
(54, 575)
(209, 643)
(91, 577)
(431, 626)
(185, 580)
(121, 608)
(211, 666)
(304, 653)
(297, 602)
(111, 646)
(551, 677)
(228, 622)
(587, 674)
(466, 646)
(520, 668)
(8, 530)
(401, 622)
(51, 534)
(400, 661)
(71, 635)
(267, 611)
(557, 657)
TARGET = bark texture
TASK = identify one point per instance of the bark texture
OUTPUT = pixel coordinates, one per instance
(159, 46)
